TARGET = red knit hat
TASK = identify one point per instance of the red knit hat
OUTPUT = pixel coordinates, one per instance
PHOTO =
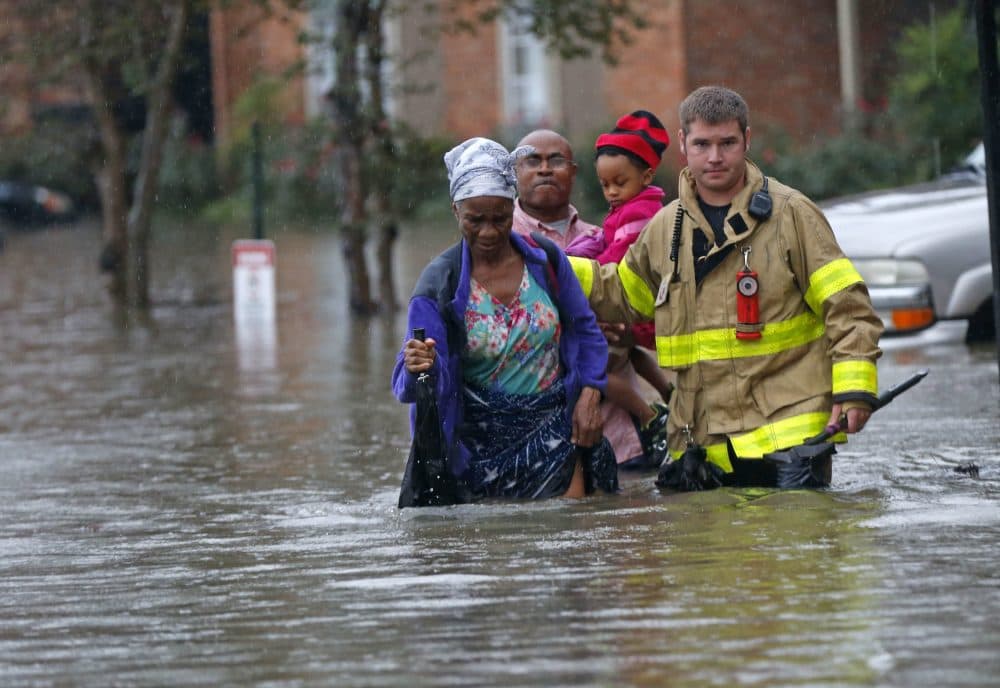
(640, 133)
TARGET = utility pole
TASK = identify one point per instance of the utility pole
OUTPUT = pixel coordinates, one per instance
(848, 44)
(989, 75)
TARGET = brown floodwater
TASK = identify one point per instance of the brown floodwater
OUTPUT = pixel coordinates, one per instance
(182, 506)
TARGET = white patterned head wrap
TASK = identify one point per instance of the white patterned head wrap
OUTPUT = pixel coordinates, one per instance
(481, 167)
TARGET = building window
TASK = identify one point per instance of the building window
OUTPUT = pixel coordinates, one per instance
(527, 77)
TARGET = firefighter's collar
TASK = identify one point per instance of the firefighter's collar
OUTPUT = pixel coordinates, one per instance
(738, 225)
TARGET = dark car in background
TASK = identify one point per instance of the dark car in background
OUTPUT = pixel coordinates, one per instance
(28, 205)
(924, 252)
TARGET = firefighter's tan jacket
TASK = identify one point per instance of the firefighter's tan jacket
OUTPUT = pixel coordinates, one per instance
(819, 334)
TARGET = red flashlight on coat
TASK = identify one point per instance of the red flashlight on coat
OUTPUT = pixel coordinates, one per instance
(747, 301)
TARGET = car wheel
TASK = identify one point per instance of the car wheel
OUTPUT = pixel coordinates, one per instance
(981, 325)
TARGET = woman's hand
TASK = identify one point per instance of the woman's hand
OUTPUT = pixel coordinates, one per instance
(418, 356)
(588, 426)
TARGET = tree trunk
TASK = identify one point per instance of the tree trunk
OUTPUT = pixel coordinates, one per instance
(386, 275)
(352, 227)
(385, 153)
(109, 174)
(154, 136)
(352, 134)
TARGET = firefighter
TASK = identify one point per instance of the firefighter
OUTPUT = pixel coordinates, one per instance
(767, 324)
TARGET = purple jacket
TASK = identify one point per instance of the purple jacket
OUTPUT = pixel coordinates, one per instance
(583, 349)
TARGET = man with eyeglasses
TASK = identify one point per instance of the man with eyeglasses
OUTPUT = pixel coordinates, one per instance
(544, 184)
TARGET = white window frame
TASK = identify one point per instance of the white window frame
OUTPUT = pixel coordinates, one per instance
(529, 89)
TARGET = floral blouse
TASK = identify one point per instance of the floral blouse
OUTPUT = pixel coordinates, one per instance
(512, 347)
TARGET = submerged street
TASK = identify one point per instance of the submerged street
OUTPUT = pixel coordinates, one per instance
(180, 506)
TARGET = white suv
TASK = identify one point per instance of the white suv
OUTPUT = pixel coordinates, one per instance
(924, 251)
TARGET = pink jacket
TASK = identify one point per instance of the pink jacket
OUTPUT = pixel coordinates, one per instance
(624, 223)
(622, 227)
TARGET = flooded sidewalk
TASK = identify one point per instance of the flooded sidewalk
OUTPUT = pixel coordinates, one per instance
(177, 510)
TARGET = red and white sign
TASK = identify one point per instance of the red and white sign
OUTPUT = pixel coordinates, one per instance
(253, 279)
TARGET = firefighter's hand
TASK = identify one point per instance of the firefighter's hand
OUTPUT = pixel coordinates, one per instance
(851, 420)
(418, 356)
(588, 426)
(612, 331)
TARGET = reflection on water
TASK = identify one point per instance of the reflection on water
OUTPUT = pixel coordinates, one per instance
(171, 516)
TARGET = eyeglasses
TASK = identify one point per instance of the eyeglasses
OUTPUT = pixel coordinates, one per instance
(555, 162)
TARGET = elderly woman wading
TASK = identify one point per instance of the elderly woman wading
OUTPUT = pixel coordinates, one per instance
(514, 349)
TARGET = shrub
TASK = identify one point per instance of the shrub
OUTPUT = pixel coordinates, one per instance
(934, 100)
(837, 166)
(187, 180)
(302, 181)
(418, 178)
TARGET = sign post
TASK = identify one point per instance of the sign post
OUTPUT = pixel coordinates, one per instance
(253, 282)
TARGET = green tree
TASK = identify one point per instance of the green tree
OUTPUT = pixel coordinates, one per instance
(934, 101)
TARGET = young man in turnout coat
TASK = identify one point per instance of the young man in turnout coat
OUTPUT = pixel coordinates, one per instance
(757, 371)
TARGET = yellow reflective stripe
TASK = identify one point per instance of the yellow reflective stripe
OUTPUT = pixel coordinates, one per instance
(714, 453)
(722, 344)
(719, 455)
(855, 376)
(638, 294)
(781, 434)
(828, 280)
(583, 268)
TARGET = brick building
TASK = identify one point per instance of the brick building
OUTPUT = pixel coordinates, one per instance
(247, 44)
(803, 65)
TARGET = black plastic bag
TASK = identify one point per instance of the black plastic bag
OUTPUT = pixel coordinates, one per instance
(427, 480)
(807, 465)
(810, 464)
(692, 472)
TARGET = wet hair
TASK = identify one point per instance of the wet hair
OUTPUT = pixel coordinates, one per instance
(636, 161)
(714, 105)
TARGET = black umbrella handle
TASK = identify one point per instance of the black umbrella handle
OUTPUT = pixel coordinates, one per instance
(894, 391)
(420, 335)
(883, 400)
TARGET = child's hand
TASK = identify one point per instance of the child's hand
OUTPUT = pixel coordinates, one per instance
(612, 331)
(418, 356)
